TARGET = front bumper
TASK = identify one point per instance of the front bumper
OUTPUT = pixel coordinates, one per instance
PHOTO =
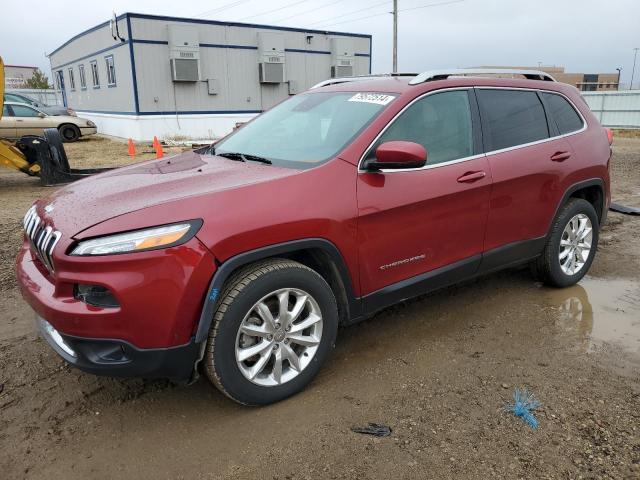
(150, 334)
(88, 130)
(115, 358)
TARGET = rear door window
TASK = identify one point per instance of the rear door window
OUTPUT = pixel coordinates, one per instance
(440, 122)
(511, 118)
(565, 116)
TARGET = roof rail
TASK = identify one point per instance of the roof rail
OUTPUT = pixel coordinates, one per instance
(432, 75)
(357, 78)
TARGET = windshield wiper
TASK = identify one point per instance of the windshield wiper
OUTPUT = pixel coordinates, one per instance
(255, 158)
(232, 156)
(243, 157)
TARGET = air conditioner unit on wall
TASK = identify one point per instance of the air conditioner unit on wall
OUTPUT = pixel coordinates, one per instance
(184, 53)
(271, 57)
(338, 71)
(342, 57)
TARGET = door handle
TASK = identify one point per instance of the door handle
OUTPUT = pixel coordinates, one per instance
(560, 156)
(471, 177)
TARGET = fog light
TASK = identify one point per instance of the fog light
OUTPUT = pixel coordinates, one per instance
(95, 295)
(56, 337)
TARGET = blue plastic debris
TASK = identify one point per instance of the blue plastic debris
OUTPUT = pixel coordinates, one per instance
(523, 405)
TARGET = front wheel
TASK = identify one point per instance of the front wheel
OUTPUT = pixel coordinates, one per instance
(571, 246)
(274, 326)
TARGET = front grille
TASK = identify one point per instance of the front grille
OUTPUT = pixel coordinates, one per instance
(43, 238)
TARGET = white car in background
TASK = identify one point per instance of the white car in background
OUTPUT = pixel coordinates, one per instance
(19, 119)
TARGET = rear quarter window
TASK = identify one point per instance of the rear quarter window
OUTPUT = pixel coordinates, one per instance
(511, 118)
(563, 113)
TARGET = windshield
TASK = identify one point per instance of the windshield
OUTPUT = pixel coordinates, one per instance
(307, 129)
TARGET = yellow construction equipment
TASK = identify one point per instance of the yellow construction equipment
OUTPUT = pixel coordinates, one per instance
(10, 155)
(43, 156)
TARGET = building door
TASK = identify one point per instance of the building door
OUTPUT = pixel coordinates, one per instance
(60, 77)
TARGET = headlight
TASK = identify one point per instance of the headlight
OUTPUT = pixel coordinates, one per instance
(90, 123)
(139, 240)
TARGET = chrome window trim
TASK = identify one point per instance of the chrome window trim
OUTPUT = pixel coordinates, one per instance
(537, 142)
(480, 155)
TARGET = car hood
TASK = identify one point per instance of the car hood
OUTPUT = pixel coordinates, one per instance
(88, 202)
(55, 111)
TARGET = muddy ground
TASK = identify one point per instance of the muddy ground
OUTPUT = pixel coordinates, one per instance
(437, 370)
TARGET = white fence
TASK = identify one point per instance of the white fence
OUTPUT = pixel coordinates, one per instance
(49, 97)
(620, 109)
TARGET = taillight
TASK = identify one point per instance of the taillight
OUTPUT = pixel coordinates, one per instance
(609, 135)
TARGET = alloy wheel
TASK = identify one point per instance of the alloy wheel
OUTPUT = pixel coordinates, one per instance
(575, 244)
(279, 337)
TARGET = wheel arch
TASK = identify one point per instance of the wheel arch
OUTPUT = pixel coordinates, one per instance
(591, 190)
(318, 254)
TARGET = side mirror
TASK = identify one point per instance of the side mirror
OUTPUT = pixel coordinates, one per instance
(41, 115)
(398, 154)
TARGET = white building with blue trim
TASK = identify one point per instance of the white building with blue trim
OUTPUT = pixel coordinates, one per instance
(170, 77)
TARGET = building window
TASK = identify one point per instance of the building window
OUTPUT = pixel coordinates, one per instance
(94, 74)
(111, 71)
(83, 78)
(72, 80)
(58, 83)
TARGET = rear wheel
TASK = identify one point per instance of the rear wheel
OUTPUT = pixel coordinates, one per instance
(275, 325)
(69, 133)
(571, 246)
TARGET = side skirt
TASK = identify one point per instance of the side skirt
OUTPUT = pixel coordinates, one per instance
(511, 255)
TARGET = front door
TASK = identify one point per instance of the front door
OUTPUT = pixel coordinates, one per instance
(29, 121)
(7, 123)
(419, 220)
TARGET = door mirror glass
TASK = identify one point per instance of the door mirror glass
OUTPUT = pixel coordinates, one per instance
(398, 154)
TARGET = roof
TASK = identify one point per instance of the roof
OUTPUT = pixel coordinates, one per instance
(21, 66)
(401, 84)
(130, 15)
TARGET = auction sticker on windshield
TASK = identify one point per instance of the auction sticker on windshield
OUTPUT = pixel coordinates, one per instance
(377, 98)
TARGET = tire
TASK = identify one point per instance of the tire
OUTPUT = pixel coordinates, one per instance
(555, 271)
(56, 148)
(242, 304)
(69, 132)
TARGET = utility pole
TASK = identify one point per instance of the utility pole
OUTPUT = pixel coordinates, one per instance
(633, 71)
(619, 69)
(395, 36)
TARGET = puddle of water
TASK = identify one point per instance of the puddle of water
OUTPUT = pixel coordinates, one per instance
(600, 311)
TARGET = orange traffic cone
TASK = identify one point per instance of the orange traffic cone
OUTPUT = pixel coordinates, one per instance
(132, 149)
(158, 147)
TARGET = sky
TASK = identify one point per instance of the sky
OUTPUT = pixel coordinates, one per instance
(586, 36)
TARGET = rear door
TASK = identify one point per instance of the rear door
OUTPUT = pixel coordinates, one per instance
(528, 160)
(7, 123)
(416, 221)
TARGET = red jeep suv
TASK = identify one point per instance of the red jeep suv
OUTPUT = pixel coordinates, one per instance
(244, 257)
